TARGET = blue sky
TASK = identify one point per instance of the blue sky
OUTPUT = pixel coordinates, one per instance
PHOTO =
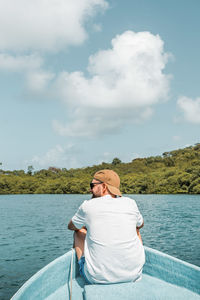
(86, 81)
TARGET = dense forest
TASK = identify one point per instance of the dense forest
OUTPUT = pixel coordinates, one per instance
(174, 172)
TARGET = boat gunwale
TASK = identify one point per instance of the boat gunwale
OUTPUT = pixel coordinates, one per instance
(66, 258)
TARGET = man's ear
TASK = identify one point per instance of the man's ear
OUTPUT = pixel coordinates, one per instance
(105, 188)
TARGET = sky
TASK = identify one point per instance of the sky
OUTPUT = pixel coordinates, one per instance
(85, 81)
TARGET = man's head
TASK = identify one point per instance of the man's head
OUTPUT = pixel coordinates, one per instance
(105, 182)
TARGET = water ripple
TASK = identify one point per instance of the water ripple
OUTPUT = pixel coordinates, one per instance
(34, 231)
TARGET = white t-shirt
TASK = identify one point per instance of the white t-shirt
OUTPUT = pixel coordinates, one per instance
(113, 251)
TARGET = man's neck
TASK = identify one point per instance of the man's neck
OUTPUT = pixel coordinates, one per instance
(108, 193)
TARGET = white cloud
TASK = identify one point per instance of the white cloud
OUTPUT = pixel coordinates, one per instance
(32, 26)
(47, 25)
(38, 80)
(124, 83)
(59, 156)
(89, 122)
(176, 138)
(20, 63)
(190, 109)
(97, 27)
(105, 157)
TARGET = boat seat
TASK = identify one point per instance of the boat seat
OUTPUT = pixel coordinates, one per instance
(147, 288)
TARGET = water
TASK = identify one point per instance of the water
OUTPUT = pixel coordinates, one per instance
(33, 231)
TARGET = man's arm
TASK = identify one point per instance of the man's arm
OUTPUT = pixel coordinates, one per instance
(138, 231)
(138, 227)
(71, 226)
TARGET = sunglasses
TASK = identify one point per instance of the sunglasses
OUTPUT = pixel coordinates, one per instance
(92, 184)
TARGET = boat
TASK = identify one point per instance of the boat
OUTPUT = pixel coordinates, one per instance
(164, 278)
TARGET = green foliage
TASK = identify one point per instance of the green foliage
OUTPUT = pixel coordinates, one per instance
(116, 161)
(30, 170)
(177, 171)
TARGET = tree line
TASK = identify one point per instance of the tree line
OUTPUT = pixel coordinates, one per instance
(173, 172)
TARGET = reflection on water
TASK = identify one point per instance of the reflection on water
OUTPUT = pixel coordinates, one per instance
(34, 231)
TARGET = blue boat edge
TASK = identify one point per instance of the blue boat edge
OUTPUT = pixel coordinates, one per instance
(46, 281)
(172, 270)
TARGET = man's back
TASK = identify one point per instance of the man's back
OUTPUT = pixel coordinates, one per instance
(113, 251)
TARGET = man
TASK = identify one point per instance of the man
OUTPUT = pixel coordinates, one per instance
(107, 239)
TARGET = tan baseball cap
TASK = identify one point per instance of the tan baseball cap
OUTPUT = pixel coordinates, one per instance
(111, 179)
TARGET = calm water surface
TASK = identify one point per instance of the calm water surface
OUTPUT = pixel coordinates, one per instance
(33, 231)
